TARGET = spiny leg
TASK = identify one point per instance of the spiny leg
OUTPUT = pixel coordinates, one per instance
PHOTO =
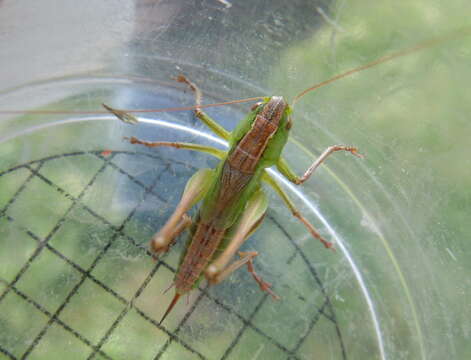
(284, 168)
(284, 196)
(251, 218)
(200, 114)
(195, 189)
(264, 286)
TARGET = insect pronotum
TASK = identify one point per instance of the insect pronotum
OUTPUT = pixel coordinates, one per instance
(233, 203)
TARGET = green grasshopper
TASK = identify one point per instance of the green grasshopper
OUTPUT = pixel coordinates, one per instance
(233, 203)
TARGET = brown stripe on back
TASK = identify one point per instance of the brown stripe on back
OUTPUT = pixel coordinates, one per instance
(250, 148)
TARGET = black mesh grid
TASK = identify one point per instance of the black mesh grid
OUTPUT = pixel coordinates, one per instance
(95, 346)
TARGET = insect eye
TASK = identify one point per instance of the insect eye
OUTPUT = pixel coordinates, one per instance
(255, 106)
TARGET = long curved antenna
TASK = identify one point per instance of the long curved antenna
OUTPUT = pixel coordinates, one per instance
(171, 109)
(424, 45)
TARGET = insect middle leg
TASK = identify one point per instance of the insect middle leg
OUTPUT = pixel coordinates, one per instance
(251, 218)
(284, 168)
(220, 154)
(131, 119)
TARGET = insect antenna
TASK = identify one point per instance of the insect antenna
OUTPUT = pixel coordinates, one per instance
(97, 112)
(423, 45)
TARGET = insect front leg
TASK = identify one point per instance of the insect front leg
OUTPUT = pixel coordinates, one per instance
(250, 219)
(200, 114)
(284, 168)
(195, 189)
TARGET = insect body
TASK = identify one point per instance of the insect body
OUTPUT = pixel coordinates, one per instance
(233, 202)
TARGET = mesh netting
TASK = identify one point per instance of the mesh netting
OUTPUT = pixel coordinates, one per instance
(77, 278)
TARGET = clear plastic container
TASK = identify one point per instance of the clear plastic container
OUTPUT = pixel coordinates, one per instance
(78, 204)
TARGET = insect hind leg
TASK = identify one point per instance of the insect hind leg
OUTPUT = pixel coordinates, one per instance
(195, 189)
(250, 220)
(163, 244)
(246, 258)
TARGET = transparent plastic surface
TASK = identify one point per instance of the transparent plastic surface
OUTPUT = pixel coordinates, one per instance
(78, 204)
